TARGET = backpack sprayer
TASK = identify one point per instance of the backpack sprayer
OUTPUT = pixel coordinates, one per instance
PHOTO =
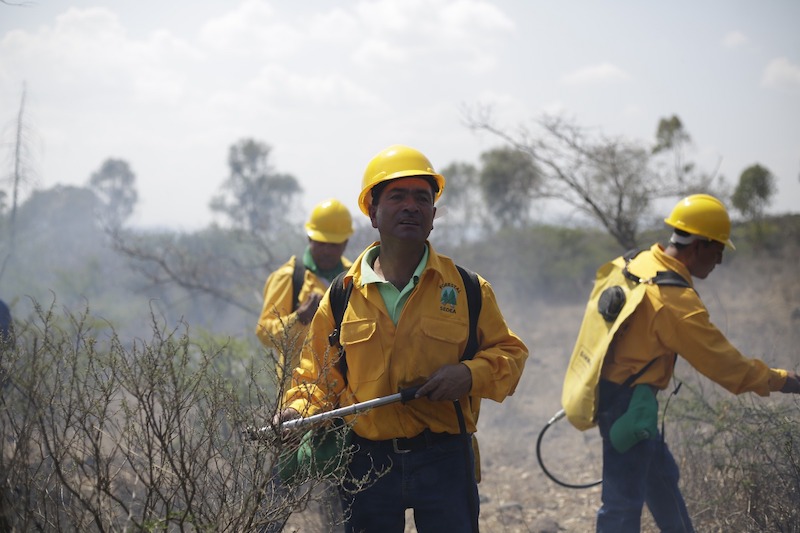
(615, 296)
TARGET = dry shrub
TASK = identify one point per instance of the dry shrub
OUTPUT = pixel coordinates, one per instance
(102, 435)
(740, 456)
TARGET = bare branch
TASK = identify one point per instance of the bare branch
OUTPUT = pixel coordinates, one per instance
(612, 180)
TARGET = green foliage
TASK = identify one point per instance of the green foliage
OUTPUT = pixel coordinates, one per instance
(539, 263)
(670, 133)
(115, 185)
(462, 205)
(754, 191)
(254, 198)
(508, 180)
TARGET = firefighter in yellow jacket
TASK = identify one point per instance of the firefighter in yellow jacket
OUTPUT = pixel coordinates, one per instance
(669, 320)
(289, 307)
(403, 328)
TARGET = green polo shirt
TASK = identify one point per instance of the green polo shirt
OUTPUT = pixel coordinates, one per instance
(393, 299)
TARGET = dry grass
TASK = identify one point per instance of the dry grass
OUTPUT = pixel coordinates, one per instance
(756, 302)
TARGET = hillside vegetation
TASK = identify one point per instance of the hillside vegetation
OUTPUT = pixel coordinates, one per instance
(123, 403)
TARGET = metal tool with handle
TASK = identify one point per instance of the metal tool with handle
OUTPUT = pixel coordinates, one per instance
(403, 396)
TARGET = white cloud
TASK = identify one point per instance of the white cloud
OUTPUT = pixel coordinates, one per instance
(461, 32)
(281, 86)
(338, 24)
(470, 18)
(374, 52)
(555, 107)
(171, 94)
(252, 30)
(734, 39)
(632, 111)
(392, 17)
(603, 73)
(90, 49)
(781, 72)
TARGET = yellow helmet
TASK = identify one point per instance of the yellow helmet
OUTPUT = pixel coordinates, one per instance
(396, 161)
(330, 221)
(704, 215)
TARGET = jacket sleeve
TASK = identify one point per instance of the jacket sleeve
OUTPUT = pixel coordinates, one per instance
(316, 381)
(692, 335)
(498, 364)
(276, 311)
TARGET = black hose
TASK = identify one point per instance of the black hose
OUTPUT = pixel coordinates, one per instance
(555, 418)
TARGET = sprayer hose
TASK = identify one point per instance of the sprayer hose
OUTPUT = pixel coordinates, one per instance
(555, 418)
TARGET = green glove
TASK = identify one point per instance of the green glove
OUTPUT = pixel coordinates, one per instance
(323, 452)
(640, 421)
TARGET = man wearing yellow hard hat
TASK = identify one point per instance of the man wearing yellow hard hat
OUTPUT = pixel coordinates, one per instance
(408, 323)
(293, 291)
(670, 320)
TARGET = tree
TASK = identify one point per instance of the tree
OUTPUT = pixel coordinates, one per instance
(223, 266)
(115, 186)
(672, 139)
(19, 176)
(754, 192)
(508, 179)
(460, 212)
(254, 198)
(612, 180)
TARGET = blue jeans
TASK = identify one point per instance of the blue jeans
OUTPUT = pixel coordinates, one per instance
(646, 473)
(438, 483)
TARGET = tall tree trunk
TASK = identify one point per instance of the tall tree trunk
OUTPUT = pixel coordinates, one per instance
(18, 178)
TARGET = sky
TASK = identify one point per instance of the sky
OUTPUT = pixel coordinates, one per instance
(170, 86)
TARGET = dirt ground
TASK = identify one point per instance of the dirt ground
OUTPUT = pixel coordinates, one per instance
(756, 304)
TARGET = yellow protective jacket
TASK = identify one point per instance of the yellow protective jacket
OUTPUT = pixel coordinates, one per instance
(672, 320)
(278, 327)
(383, 358)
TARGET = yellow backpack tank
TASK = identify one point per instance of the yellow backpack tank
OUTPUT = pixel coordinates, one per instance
(615, 296)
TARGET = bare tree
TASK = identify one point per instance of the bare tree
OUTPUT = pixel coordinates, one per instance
(612, 180)
(227, 263)
(21, 159)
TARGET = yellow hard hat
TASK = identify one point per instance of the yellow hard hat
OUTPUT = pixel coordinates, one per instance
(330, 221)
(704, 215)
(396, 161)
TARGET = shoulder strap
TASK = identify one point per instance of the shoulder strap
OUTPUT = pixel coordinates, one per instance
(298, 276)
(472, 287)
(339, 297)
(628, 382)
(664, 277)
(671, 278)
(630, 254)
